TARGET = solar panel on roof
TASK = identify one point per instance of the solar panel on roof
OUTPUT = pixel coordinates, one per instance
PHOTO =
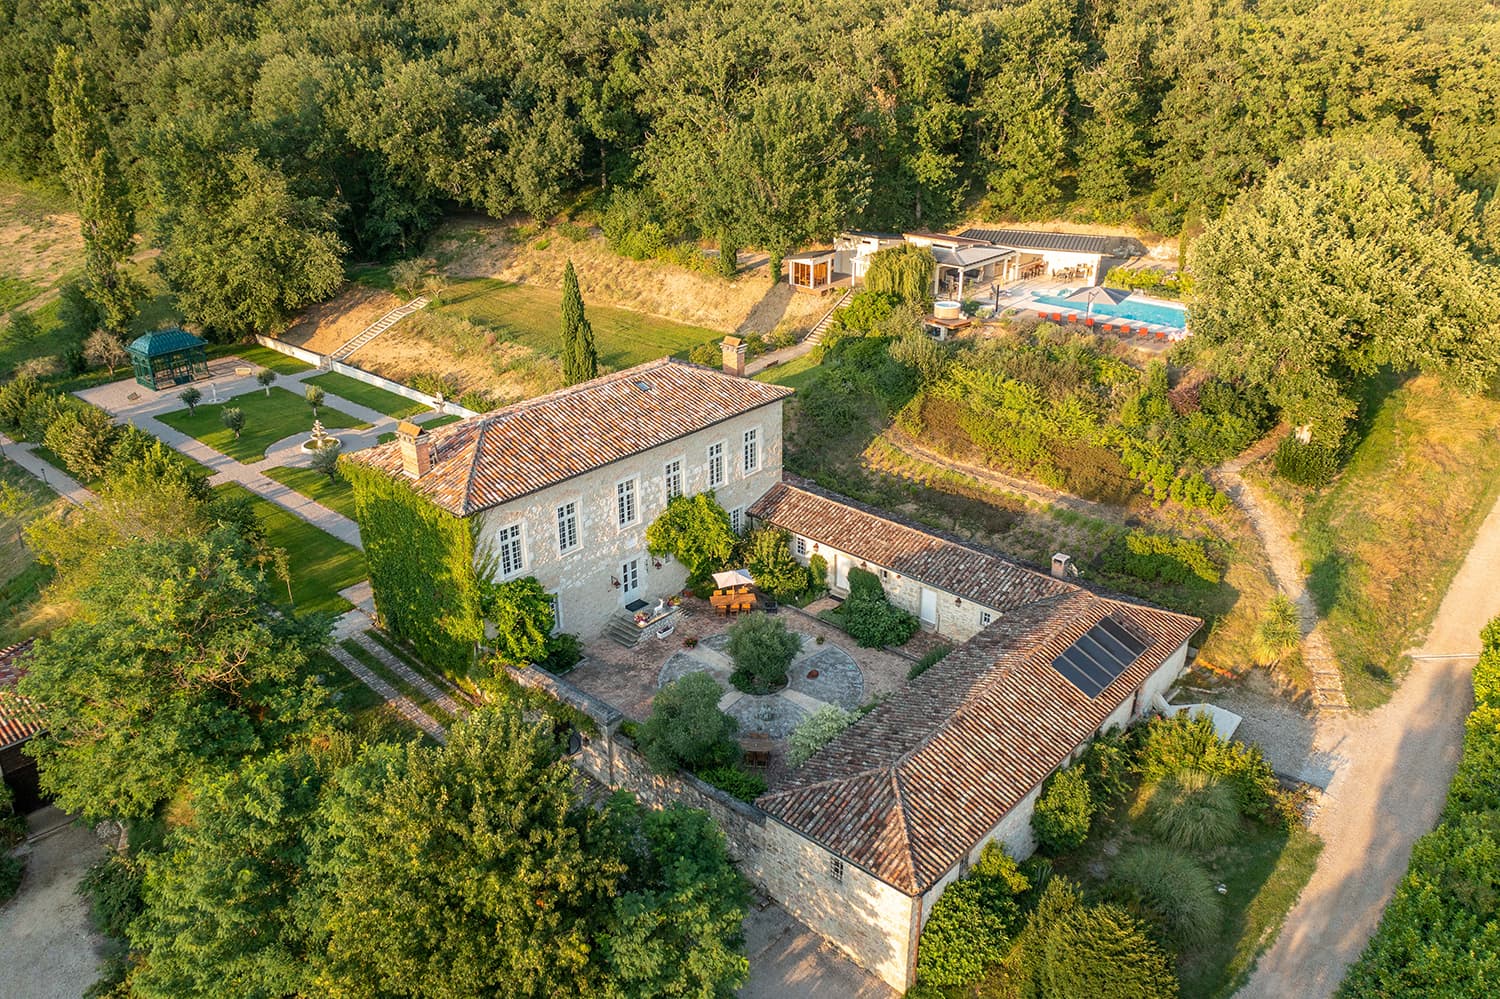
(1098, 657)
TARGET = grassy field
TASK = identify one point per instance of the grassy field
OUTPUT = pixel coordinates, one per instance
(528, 315)
(321, 564)
(369, 396)
(334, 494)
(263, 357)
(1382, 543)
(23, 614)
(268, 419)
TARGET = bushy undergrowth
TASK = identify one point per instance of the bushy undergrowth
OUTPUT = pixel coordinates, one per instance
(1192, 809)
(1063, 813)
(870, 618)
(1170, 889)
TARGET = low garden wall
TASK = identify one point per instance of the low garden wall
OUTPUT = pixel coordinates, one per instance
(327, 363)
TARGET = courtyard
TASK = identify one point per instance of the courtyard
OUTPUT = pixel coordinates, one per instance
(828, 670)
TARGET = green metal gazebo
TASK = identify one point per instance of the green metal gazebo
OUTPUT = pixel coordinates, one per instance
(168, 357)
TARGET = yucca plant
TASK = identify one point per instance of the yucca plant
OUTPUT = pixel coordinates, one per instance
(1192, 810)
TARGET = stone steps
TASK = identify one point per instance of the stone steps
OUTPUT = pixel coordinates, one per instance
(400, 702)
(816, 336)
(378, 327)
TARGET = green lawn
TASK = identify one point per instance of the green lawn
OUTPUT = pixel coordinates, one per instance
(334, 494)
(795, 373)
(321, 564)
(23, 612)
(264, 357)
(528, 315)
(370, 396)
(370, 719)
(410, 692)
(441, 421)
(268, 419)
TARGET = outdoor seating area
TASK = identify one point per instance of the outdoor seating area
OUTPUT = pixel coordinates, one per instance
(735, 593)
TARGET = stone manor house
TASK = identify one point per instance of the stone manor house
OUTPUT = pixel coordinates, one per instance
(860, 841)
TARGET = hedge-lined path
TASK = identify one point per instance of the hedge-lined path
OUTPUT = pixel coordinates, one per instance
(53, 477)
(438, 695)
(1286, 569)
(1390, 790)
(397, 700)
(144, 409)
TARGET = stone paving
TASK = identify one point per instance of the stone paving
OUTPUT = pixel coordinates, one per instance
(55, 479)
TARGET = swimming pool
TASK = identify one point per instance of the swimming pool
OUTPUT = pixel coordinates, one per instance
(1130, 308)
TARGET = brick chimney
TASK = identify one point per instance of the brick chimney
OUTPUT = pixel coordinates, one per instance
(416, 449)
(734, 356)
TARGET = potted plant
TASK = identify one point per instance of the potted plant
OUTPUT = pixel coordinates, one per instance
(641, 617)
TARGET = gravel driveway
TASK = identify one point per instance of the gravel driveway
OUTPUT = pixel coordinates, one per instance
(1387, 790)
(48, 949)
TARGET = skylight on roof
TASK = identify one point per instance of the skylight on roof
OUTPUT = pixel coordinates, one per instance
(1099, 656)
(643, 386)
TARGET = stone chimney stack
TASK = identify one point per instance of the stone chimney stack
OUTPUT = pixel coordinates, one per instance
(416, 449)
(734, 356)
(1062, 566)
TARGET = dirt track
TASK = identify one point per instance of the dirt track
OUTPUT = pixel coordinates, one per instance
(1396, 763)
(48, 949)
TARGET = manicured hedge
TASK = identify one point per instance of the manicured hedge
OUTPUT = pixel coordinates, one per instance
(1441, 932)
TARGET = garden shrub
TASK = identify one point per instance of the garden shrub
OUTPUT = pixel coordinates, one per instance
(1161, 558)
(686, 729)
(869, 617)
(709, 355)
(520, 611)
(816, 731)
(1106, 765)
(42, 409)
(1102, 952)
(968, 931)
(1310, 465)
(928, 661)
(817, 572)
(767, 553)
(421, 562)
(1192, 809)
(82, 437)
(631, 227)
(11, 871)
(15, 396)
(563, 652)
(1279, 633)
(1063, 812)
(12, 826)
(1168, 745)
(734, 780)
(113, 888)
(761, 648)
(1170, 889)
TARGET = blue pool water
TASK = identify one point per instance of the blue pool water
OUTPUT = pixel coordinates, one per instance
(1144, 312)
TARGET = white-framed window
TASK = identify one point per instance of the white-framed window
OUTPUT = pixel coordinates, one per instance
(625, 504)
(836, 869)
(512, 557)
(885, 575)
(752, 450)
(985, 618)
(737, 519)
(716, 464)
(801, 545)
(567, 527)
(673, 478)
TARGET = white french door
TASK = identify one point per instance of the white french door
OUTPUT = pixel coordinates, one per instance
(630, 580)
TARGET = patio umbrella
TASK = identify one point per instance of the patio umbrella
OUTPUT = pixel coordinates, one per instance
(731, 578)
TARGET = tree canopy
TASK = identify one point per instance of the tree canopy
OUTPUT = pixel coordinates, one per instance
(1353, 255)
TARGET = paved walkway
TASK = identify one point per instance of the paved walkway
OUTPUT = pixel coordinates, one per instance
(1389, 790)
(131, 403)
(58, 481)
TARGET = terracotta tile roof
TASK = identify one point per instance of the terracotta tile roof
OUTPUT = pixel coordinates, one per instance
(496, 457)
(20, 717)
(946, 563)
(908, 790)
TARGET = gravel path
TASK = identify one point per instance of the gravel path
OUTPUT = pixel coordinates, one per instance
(1390, 791)
(48, 948)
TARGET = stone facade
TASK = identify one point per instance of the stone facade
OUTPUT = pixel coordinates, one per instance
(946, 614)
(604, 552)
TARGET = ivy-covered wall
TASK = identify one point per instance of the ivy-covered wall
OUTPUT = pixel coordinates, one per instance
(421, 562)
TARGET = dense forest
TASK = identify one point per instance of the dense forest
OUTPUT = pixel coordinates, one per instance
(280, 138)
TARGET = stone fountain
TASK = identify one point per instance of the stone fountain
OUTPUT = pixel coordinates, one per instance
(321, 440)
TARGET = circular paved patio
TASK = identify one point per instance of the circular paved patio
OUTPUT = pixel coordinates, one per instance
(820, 675)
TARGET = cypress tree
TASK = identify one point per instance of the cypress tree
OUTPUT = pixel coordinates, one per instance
(579, 356)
